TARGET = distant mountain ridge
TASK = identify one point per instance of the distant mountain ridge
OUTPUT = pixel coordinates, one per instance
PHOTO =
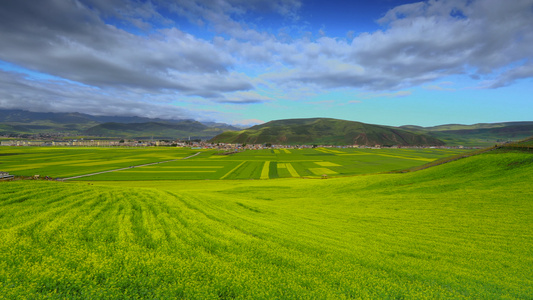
(482, 134)
(291, 131)
(26, 122)
(326, 131)
(23, 116)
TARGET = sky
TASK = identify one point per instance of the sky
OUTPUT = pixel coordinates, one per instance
(386, 62)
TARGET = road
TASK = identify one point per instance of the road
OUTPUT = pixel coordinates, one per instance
(127, 168)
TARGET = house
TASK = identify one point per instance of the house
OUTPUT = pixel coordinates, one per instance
(5, 176)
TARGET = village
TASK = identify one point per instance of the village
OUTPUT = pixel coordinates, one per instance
(195, 144)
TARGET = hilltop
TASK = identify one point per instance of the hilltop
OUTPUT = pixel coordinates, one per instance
(326, 131)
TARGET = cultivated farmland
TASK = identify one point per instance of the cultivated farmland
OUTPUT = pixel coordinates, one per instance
(462, 230)
(66, 162)
(256, 164)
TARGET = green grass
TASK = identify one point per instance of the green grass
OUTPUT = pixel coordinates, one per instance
(67, 162)
(462, 230)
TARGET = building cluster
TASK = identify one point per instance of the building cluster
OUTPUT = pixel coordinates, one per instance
(88, 143)
(197, 144)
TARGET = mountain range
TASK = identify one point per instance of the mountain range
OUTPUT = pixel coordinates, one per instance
(341, 132)
(20, 122)
(288, 131)
(326, 131)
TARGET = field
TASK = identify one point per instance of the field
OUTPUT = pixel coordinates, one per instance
(256, 164)
(66, 162)
(462, 230)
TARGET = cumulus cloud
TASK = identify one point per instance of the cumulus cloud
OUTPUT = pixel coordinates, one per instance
(98, 54)
(512, 75)
(17, 91)
(129, 53)
(421, 42)
(247, 97)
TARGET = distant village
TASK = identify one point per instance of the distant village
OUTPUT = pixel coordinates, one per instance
(195, 144)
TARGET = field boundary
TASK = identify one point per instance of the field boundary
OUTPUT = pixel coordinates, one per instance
(266, 170)
(233, 170)
(512, 146)
(127, 168)
(291, 170)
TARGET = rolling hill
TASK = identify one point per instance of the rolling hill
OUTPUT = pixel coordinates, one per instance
(325, 131)
(462, 230)
(20, 122)
(158, 130)
(482, 134)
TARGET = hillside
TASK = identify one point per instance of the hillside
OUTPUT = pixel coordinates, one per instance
(20, 122)
(158, 130)
(325, 131)
(462, 230)
(482, 134)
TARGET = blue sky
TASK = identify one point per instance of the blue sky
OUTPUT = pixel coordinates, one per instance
(389, 62)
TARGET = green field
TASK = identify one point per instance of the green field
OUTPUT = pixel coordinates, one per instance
(66, 162)
(462, 230)
(283, 163)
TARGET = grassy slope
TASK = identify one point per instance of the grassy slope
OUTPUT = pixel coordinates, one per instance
(484, 134)
(325, 131)
(459, 230)
(155, 129)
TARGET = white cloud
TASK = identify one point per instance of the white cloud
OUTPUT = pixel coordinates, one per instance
(419, 44)
(422, 42)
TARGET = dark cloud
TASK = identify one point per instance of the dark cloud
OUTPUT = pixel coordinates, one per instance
(69, 40)
(123, 55)
(17, 91)
(422, 42)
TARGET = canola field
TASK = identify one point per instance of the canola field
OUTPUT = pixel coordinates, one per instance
(209, 164)
(70, 161)
(462, 230)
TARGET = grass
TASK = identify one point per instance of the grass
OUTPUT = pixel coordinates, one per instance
(461, 230)
(65, 162)
(68, 162)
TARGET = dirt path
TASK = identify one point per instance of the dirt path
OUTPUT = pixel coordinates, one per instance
(127, 168)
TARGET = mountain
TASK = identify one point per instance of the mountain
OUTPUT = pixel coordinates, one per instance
(20, 122)
(325, 131)
(183, 129)
(482, 134)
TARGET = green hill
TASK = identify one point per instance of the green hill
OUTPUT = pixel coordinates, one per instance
(462, 230)
(483, 134)
(154, 129)
(20, 122)
(325, 131)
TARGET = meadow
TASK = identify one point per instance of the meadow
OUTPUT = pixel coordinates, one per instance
(462, 230)
(209, 164)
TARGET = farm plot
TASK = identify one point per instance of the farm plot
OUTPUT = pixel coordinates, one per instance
(66, 162)
(462, 230)
(251, 164)
(175, 170)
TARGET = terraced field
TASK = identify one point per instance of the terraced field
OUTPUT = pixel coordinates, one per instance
(462, 230)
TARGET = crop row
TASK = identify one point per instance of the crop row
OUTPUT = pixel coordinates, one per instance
(461, 230)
